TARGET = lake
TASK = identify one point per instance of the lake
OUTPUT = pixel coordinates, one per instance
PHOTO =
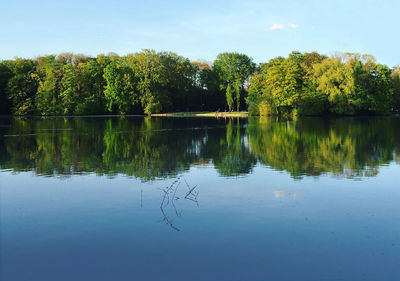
(144, 198)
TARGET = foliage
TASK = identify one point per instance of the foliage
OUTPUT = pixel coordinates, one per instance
(396, 87)
(149, 82)
(48, 98)
(312, 84)
(120, 92)
(5, 76)
(233, 70)
(22, 86)
(148, 71)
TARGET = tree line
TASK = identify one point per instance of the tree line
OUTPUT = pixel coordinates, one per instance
(314, 84)
(154, 82)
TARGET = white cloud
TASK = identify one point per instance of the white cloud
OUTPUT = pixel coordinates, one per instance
(276, 26)
(293, 26)
(280, 26)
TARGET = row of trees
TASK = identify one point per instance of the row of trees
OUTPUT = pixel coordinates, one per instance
(150, 82)
(314, 84)
(146, 82)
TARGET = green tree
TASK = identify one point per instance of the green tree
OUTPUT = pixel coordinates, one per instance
(120, 92)
(279, 85)
(311, 102)
(208, 84)
(48, 99)
(70, 94)
(179, 81)
(5, 76)
(148, 71)
(22, 86)
(95, 103)
(233, 70)
(336, 81)
(396, 85)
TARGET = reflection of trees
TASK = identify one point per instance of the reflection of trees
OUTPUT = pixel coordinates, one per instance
(344, 146)
(227, 148)
(146, 149)
(53, 146)
(150, 148)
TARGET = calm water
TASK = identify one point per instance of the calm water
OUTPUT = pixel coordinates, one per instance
(199, 199)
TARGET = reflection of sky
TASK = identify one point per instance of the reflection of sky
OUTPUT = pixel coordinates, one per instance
(245, 228)
(279, 194)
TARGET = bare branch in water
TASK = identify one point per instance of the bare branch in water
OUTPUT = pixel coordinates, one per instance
(170, 195)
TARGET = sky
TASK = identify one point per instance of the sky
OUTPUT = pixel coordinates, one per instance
(200, 30)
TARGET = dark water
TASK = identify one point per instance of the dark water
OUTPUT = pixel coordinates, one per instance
(199, 199)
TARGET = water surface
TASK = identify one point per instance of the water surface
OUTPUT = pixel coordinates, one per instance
(140, 198)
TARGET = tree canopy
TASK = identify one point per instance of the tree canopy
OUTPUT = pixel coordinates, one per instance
(233, 69)
(149, 82)
(312, 84)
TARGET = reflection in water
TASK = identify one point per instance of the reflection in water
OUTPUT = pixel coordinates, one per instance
(345, 147)
(280, 194)
(170, 198)
(150, 148)
(246, 228)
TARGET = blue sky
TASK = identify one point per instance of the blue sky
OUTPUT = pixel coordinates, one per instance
(201, 29)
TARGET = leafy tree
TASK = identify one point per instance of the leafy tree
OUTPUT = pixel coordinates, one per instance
(259, 103)
(279, 85)
(22, 86)
(336, 81)
(396, 85)
(311, 102)
(208, 84)
(5, 75)
(308, 62)
(148, 71)
(94, 103)
(48, 98)
(70, 95)
(179, 81)
(233, 70)
(120, 92)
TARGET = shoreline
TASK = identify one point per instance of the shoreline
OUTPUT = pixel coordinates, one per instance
(242, 114)
(202, 114)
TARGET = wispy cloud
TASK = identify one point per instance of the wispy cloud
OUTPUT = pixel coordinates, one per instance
(280, 26)
(276, 26)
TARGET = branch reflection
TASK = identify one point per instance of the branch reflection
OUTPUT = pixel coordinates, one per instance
(170, 198)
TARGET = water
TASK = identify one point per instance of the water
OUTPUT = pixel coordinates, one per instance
(199, 199)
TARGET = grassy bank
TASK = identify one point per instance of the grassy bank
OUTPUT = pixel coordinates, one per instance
(204, 114)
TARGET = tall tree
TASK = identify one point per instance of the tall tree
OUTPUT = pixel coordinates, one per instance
(396, 84)
(233, 70)
(5, 76)
(279, 85)
(22, 86)
(207, 81)
(179, 81)
(48, 99)
(148, 71)
(120, 92)
(336, 81)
